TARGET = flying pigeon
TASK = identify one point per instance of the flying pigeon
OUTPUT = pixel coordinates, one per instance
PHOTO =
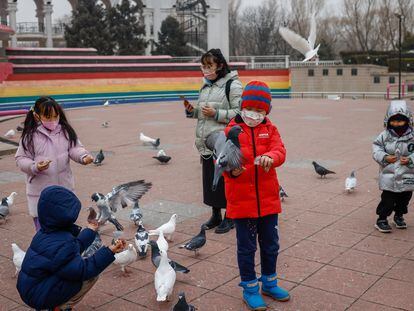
(126, 258)
(105, 124)
(320, 170)
(10, 134)
(106, 103)
(141, 240)
(164, 278)
(350, 182)
(167, 229)
(162, 157)
(227, 151)
(99, 158)
(136, 214)
(156, 257)
(18, 256)
(196, 242)
(282, 193)
(149, 141)
(306, 47)
(162, 242)
(6, 204)
(182, 304)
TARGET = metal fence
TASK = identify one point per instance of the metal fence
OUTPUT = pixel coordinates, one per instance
(39, 28)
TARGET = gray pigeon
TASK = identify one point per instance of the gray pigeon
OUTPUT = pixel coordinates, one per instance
(226, 151)
(282, 193)
(320, 170)
(105, 214)
(6, 204)
(156, 258)
(164, 159)
(141, 241)
(196, 242)
(182, 304)
(99, 158)
(136, 214)
(105, 124)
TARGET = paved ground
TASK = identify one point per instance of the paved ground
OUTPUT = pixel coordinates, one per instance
(331, 257)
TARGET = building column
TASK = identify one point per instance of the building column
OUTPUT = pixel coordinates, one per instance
(218, 26)
(12, 10)
(48, 10)
(147, 13)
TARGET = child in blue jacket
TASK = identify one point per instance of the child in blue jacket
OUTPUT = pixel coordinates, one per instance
(53, 272)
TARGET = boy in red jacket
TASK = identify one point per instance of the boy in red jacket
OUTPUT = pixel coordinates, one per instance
(252, 194)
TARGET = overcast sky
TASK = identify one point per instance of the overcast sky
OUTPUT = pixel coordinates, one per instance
(27, 9)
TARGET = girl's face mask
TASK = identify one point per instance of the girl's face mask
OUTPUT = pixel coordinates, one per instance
(50, 125)
(252, 118)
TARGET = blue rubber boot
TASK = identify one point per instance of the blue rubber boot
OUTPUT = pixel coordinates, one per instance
(251, 295)
(270, 288)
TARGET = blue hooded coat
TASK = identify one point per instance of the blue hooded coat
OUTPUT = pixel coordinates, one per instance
(53, 270)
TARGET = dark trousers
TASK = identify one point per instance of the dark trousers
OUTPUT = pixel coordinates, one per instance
(393, 201)
(216, 199)
(265, 229)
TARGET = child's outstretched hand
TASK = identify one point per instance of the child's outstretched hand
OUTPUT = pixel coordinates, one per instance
(238, 171)
(404, 160)
(119, 246)
(43, 165)
(266, 163)
(87, 160)
(93, 225)
(391, 158)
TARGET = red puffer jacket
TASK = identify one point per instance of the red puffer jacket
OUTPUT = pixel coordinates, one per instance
(255, 193)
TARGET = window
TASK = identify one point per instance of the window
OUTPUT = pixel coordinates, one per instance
(354, 72)
(311, 72)
(391, 79)
(339, 72)
(377, 79)
(325, 72)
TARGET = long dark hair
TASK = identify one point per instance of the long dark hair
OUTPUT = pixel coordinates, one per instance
(45, 106)
(215, 55)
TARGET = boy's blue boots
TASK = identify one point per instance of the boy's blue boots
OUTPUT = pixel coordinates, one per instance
(251, 295)
(270, 288)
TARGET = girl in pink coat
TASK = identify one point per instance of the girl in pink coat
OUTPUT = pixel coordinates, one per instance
(48, 142)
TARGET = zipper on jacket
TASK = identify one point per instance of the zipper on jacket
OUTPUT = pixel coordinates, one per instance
(256, 173)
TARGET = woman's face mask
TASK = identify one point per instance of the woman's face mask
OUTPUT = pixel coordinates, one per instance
(209, 71)
(252, 118)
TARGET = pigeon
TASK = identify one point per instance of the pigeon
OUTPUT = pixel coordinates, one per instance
(94, 247)
(306, 47)
(99, 158)
(226, 152)
(136, 214)
(167, 228)
(105, 214)
(350, 182)
(106, 103)
(10, 134)
(5, 205)
(18, 256)
(155, 259)
(141, 240)
(126, 258)
(282, 194)
(162, 242)
(182, 304)
(105, 124)
(162, 157)
(164, 278)
(92, 216)
(196, 242)
(149, 141)
(320, 170)
(19, 128)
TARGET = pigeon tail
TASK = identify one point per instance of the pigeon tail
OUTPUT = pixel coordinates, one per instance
(116, 223)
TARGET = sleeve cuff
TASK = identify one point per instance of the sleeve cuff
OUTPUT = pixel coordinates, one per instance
(34, 169)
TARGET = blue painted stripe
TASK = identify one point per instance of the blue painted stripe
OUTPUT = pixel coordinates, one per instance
(257, 98)
(256, 88)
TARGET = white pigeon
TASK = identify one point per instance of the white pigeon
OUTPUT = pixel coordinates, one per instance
(106, 103)
(164, 278)
(350, 182)
(18, 256)
(161, 153)
(105, 124)
(126, 258)
(10, 134)
(162, 242)
(306, 47)
(167, 228)
(148, 140)
(5, 205)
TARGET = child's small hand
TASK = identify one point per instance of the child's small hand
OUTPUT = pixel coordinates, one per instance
(87, 160)
(43, 165)
(119, 246)
(238, 171)
(391, 158)
(404, 160)
(266, 163)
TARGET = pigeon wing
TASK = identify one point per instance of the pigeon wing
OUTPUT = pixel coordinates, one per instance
(215, 140)
(294, 40)
(128, 192)
(234, 156)
(312, 31)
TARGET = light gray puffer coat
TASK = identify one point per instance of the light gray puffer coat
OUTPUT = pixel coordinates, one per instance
(215, 96)
(394, 176)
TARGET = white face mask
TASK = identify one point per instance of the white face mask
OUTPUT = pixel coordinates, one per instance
(252, 118)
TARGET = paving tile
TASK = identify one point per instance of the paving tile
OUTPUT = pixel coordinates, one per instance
(403, 271)
(361, 305)
(214, 301)
(381, 245)
(295, 269)
(393, 293)
(122, 305)
(363, 226)
(7, 304)
(365, 262)
(298, 229)
(314, 251)
(316, 218)
(335, 208)
(337, 237)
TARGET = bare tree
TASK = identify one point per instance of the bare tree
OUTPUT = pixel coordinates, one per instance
(234, 26)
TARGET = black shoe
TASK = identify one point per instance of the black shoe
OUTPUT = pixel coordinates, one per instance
(225, 226)
(399, 222)
(383, 226)
(214, 220)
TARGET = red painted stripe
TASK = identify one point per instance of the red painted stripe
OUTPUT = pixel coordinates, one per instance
(89, 57)
(146, 65)
(264, 72)
(53, 49)
(12, 112)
